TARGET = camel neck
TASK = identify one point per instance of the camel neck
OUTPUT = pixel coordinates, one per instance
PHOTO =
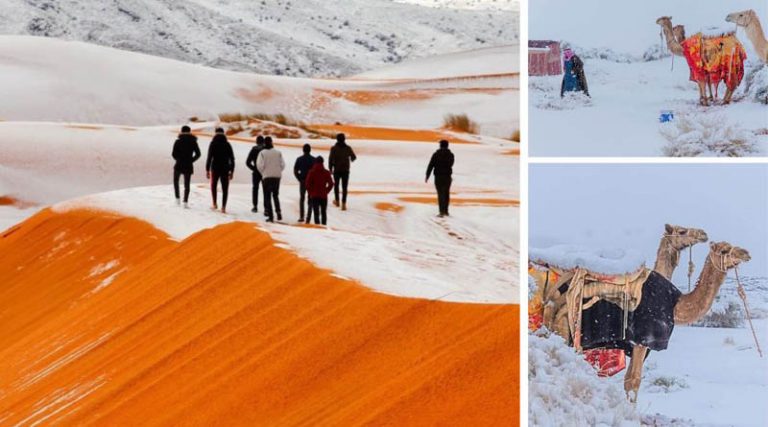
(694, 305)
(667, 259)
(755, 33)
(672, 43)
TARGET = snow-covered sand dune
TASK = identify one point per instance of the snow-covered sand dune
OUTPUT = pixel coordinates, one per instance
(120, 303)
(54, 80)
(389, 240)
(481, 235)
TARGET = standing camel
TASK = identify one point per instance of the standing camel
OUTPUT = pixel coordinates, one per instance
(751, 23)
(689, 307)
(711, 58)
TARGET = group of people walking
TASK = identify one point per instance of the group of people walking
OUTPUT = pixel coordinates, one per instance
(267, 165)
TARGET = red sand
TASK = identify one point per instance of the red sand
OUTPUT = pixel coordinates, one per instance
(12, 201)
(389, 207)
(224, 328)
(464, 201)
(387, 134)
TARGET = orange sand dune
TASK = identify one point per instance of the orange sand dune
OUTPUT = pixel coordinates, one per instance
(225, 328)
(463, 201)
(379, 97)
(387, 134)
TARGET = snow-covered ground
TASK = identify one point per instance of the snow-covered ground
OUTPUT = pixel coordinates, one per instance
(629, 94)
(496, 5)
(54, 80)
(297, 38)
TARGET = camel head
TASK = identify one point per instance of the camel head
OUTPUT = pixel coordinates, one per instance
(682, 237)
(726, 256)
(664, 20)
(743, 18)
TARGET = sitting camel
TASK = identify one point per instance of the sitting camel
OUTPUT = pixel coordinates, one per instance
(711, 58)
(751, 23)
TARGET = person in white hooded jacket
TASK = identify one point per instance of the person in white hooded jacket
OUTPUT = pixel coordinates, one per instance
(270, 164)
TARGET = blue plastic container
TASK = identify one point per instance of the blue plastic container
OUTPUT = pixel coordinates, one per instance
(666, 116)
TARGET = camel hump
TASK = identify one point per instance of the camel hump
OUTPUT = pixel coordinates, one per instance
(717, 32)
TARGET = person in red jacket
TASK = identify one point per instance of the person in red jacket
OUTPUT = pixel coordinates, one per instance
(319, 183)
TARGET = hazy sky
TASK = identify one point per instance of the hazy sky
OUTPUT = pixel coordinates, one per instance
(626, 206)
(630, 26)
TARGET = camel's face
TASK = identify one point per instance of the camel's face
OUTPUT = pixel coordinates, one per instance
(664, 20)
(742, 18)
(683, 237)
(731, 255)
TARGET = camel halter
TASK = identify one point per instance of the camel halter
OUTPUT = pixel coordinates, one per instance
(663, 47)
(691, 266)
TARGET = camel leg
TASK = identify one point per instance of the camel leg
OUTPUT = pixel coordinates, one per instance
(635, 372)
(703, 93)
(728, 96)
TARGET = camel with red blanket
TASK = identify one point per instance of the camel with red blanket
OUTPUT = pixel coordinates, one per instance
(713, 56)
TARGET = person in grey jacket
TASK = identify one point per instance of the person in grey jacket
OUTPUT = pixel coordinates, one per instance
(270, 164)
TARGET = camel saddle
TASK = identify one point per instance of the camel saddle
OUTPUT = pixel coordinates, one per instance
(718, 55)
(572, 291)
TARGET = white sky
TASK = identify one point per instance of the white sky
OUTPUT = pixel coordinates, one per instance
(626, 206)
(630, 26)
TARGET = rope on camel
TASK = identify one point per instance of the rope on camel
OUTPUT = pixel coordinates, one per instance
(743, 296)
(691, 266)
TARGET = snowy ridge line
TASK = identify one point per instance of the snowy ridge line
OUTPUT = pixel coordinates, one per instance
(410, 254)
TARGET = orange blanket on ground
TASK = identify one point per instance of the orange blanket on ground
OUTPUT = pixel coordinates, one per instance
(719, 58)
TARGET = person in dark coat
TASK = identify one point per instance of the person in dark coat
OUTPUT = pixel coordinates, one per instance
(339, 162)
(250, 162)
(574, 79)
(319, 183)
(300, 170)
(220, 165)
(271, 165)
(442, 165)
(185, 152)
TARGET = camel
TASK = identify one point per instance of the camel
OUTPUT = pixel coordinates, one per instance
(751, 23)
(686, 308)
(711, 59)
(692, 306)
(674, 240)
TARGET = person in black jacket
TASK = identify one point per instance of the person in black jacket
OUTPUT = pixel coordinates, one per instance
(220, 166)
(185, 152)
(339, 163)
(442, 165)
(251, 163)
(300, 170)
